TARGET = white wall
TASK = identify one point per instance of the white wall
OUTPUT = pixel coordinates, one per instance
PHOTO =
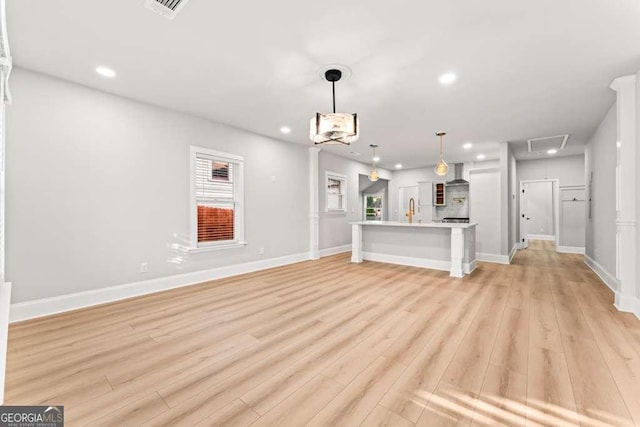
(485, 209)
(569, 171)
(513, 204)
(97, 184)
(601, 164)
(411, 177)
(335, 230)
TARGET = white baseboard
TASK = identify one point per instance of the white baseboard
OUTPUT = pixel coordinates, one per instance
(570, 250)
(606, 277)
(335, 250)
(629, 304)
(5, 303)
(417, 262)
(59, 304)
(495, 258)
(541, 237)
(513, 251)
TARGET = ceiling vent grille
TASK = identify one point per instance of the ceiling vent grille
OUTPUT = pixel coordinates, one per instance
(538, 145)
(167, 8)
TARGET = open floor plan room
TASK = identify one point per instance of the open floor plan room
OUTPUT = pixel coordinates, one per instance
(328, 342)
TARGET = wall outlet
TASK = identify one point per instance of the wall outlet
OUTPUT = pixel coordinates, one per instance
(261, 251)
(144, 267)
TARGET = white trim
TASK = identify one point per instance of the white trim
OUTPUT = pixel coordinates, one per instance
(416, 262)
(5, 304)
(217, 247)
(513, 251)
(606, 277)
(343, 192)
(335, 250)
(238, 199)
(59, 304)
(494, 258)
(541, 237)
(314, 203)
(570, 250)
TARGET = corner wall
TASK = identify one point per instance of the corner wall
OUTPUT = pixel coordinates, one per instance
(97, 184)
(600, 173)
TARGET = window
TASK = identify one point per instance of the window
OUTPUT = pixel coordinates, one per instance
(216, 199)
(336, 188)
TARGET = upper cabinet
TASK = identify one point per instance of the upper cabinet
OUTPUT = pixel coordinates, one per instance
(439, 198)
(425, 193)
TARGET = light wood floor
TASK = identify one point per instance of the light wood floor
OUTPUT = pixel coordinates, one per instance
(334, 343)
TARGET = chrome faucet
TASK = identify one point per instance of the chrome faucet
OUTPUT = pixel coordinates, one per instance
(412, 210)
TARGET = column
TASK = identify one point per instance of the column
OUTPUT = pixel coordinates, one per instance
(314, 215)
(356, 243)
(457, 252)
(626, 193)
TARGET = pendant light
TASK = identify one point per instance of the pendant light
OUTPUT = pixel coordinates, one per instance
(373, 175)
(334, 128)
(442, 167)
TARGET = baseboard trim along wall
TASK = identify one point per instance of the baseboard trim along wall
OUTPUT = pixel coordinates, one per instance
(335, 250)
(606, 277)
(541, 237)
(5, 304)
(570, 250)
(494, 258)
(60, 304)
(628, 304)
(513, 251)
(416, 262)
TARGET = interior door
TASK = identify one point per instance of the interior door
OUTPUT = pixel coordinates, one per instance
(524, 232)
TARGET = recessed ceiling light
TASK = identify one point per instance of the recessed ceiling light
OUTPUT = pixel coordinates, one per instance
(285, 129)
(448, 78)
(467, 145)
(552, 151)
(480, 157)
(105, 72)
(618, 144)
(376, 159)
(399, 166)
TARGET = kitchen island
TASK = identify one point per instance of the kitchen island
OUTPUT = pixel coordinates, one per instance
(435, 245)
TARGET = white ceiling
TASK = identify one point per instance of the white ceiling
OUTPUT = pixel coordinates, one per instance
(525, 69)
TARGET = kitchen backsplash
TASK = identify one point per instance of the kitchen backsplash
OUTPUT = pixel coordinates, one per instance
(457, 199)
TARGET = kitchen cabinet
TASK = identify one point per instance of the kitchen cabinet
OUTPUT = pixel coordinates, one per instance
(439, 198)
(425, 193)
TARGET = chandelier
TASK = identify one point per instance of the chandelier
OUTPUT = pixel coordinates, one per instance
(442, 167)
(373, 175)
(334, 128)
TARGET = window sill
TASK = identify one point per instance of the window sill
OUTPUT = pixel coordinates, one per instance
(217, 247)
(334, 212)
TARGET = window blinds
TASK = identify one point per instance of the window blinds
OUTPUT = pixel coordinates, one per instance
(215, 199)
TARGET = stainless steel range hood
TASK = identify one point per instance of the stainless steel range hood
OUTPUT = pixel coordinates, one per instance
(458, 180)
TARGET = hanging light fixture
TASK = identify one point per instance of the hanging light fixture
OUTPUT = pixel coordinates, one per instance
(334, 128)
(373, 176)
(442, 167)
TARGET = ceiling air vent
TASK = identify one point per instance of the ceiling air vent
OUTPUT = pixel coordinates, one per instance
(167, 8)
(538, 145)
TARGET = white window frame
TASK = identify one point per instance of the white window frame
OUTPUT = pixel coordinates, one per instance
(238, 199)
(343, 179)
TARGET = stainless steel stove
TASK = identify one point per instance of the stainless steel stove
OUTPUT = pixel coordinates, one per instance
(456, 220)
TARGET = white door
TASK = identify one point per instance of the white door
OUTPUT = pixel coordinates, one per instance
(537, 212)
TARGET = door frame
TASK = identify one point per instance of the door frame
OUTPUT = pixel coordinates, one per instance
(555, 185)
(381, 193)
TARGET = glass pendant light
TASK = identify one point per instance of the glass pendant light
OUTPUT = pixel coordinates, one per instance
(334, 128)
(373, 176)
(442, 168)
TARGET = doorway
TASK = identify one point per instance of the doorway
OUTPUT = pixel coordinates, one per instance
(373, 207)
(539, 211)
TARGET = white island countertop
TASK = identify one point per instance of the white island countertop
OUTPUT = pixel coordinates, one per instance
(416, 224)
